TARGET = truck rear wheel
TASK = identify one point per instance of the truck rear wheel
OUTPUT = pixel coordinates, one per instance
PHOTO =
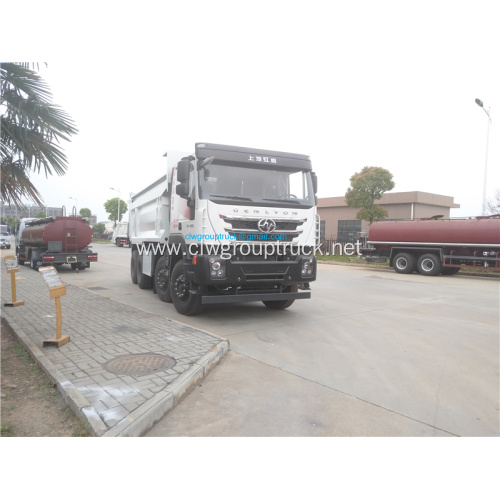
(162, 283)
(143, 280)
(184, 302)
(404, 263)
(429, 265)
(133, 266)
(282, 304)
(35, 261)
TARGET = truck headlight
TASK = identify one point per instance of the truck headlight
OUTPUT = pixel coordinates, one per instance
(217, 268)
(307, 267)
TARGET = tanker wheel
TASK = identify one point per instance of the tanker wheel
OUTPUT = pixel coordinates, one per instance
(35, 264)
(282, 304)
(162, 282)
(429, 265)
(404, 263)
(143, 280)
(184, 302)
(133, 266)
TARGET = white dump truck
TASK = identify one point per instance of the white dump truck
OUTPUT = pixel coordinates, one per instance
(226, 224)
(120, 234)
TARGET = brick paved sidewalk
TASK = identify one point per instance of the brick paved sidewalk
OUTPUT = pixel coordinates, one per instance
(116, 371)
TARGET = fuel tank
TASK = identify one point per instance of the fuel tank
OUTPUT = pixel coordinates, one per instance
(470, 231)
(72, 232)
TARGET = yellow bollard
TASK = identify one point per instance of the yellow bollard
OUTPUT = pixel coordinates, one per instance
(12, 269)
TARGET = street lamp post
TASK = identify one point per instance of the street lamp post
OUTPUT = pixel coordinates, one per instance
(118, 220)
(76, 206)
(480, 104)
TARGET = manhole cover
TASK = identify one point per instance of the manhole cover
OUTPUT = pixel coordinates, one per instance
(139, 364)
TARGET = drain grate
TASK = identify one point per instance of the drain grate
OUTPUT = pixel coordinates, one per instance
(96, 288)
(139, 364)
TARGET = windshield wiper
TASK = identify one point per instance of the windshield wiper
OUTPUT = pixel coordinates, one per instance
(233, 197)
(284, 200)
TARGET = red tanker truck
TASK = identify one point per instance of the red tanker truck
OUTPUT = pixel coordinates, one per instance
(54, 241)
(435, 245)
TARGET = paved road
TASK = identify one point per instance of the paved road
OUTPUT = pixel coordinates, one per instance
(373, 353)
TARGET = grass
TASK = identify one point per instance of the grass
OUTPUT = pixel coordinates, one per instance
(6, 430)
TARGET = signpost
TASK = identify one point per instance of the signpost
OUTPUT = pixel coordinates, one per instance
(12, 269)
(57, 290)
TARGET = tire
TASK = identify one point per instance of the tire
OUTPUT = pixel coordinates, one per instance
(78, 266)
(282, 304)
(34, 264)
(144, 281)
(133, 266)
(162, 283)
(404, 263)
(429, 265)
(449, 271)
(184, 302)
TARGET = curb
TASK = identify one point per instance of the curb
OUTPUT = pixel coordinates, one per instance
(142, 419)
(387, 268)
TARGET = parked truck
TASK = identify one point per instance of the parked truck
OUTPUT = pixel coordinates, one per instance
(5, 236)
(226, 224)
(436, 245)
(55, 241)
(120, 234)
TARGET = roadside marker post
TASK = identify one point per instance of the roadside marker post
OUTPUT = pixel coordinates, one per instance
(57, 290)
(12, 269)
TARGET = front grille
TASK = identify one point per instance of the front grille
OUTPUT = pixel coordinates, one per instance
(250, 225)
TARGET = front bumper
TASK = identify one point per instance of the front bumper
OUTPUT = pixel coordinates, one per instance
(253, 274)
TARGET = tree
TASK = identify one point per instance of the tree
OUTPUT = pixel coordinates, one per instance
(41, 215)
(366, 187)
(31, 128)
(111, 207)
(98, 229)
(85, 212)
(493, 204)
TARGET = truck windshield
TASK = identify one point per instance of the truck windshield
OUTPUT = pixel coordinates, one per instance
(256, 186)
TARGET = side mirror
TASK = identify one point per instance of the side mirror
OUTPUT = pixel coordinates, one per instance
(315, 182)
(183, 170)
(182, 190)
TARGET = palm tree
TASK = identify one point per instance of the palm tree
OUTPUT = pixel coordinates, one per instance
(31, 128)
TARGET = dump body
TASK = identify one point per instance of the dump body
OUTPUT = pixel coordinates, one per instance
(436, 245)
(55, 241)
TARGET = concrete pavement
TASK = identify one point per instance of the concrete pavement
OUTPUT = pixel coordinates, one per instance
(123, 369)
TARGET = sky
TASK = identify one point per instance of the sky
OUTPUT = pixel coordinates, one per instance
(351, 84)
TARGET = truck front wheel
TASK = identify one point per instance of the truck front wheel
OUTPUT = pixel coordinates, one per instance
(282, 304)
(184, 302)
(162, 282)
(429, 265)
